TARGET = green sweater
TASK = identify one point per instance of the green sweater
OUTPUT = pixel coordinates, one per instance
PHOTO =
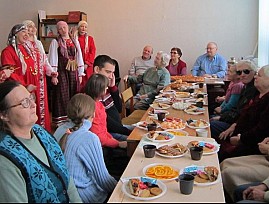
(12, 183)
(153, 80)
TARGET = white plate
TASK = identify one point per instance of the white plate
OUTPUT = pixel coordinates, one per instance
(158, 111)
(126, 190)
(195, 113)
(180, 106)
(162, 100)
(171, 157)
(193, 127)
(182, 94)
(214, 150)
(155, 164)
(170, 127)
(179, 131)
(164, 106)
(171, 137)
(141, 127)
(168, 92)
(201, 168)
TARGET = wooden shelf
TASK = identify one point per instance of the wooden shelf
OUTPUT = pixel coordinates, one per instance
(50, 23)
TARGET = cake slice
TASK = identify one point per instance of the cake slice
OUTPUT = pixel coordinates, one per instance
(134, 186)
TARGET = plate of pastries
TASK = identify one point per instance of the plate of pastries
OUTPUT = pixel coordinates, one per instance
(188, 78)
(208, 147)
(195, 124)
(159, 136)
(143, 188)
(203, 175)
(194, 110)
(173, 123)
(172, 151)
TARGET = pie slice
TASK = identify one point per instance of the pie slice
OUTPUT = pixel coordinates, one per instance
(134, 186)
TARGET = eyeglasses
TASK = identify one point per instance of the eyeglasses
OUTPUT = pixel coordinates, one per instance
(25, 102)
(173, 53)
(245, 71)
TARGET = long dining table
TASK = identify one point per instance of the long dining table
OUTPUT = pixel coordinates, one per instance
(136, 135)
(135, 168)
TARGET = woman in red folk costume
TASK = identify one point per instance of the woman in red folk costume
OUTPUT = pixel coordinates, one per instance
(65, 57)
(88, 50)
(29, 70)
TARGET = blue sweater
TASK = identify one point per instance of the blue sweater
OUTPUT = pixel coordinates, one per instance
(85, 162)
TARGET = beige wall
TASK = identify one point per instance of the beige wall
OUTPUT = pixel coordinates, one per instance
(121, 28)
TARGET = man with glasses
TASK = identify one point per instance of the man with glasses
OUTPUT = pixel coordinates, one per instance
(211, 63)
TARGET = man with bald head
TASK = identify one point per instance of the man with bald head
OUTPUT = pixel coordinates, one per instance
(141, 64)
(210, 63)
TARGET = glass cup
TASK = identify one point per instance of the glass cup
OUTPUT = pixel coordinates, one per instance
(200, 104)
(149, 150)
(152, 127)
(201, 132)
(201, 85)
(200, 95)
(196, 153)
(161, 116)
(191, 90)
(186, 182)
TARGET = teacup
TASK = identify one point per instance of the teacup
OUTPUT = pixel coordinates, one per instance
(152, 127)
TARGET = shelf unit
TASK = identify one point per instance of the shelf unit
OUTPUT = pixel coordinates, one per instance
(47, 27)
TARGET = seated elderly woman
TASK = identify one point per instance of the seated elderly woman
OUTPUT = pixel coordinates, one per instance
(252, 124)
(238, 171)
(176, 66)
(232, 95)
(219, 128)
(30, 171)
(153, 80)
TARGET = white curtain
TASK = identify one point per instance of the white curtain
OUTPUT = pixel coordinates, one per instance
(263, 41)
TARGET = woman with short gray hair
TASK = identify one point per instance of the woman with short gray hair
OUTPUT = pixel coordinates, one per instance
(153, 80)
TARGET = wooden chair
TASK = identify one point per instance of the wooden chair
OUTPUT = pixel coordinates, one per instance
(135, 115)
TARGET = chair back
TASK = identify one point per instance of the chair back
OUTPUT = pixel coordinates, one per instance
(127, 95)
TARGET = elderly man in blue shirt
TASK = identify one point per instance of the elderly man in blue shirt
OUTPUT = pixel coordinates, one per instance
(210, 63)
